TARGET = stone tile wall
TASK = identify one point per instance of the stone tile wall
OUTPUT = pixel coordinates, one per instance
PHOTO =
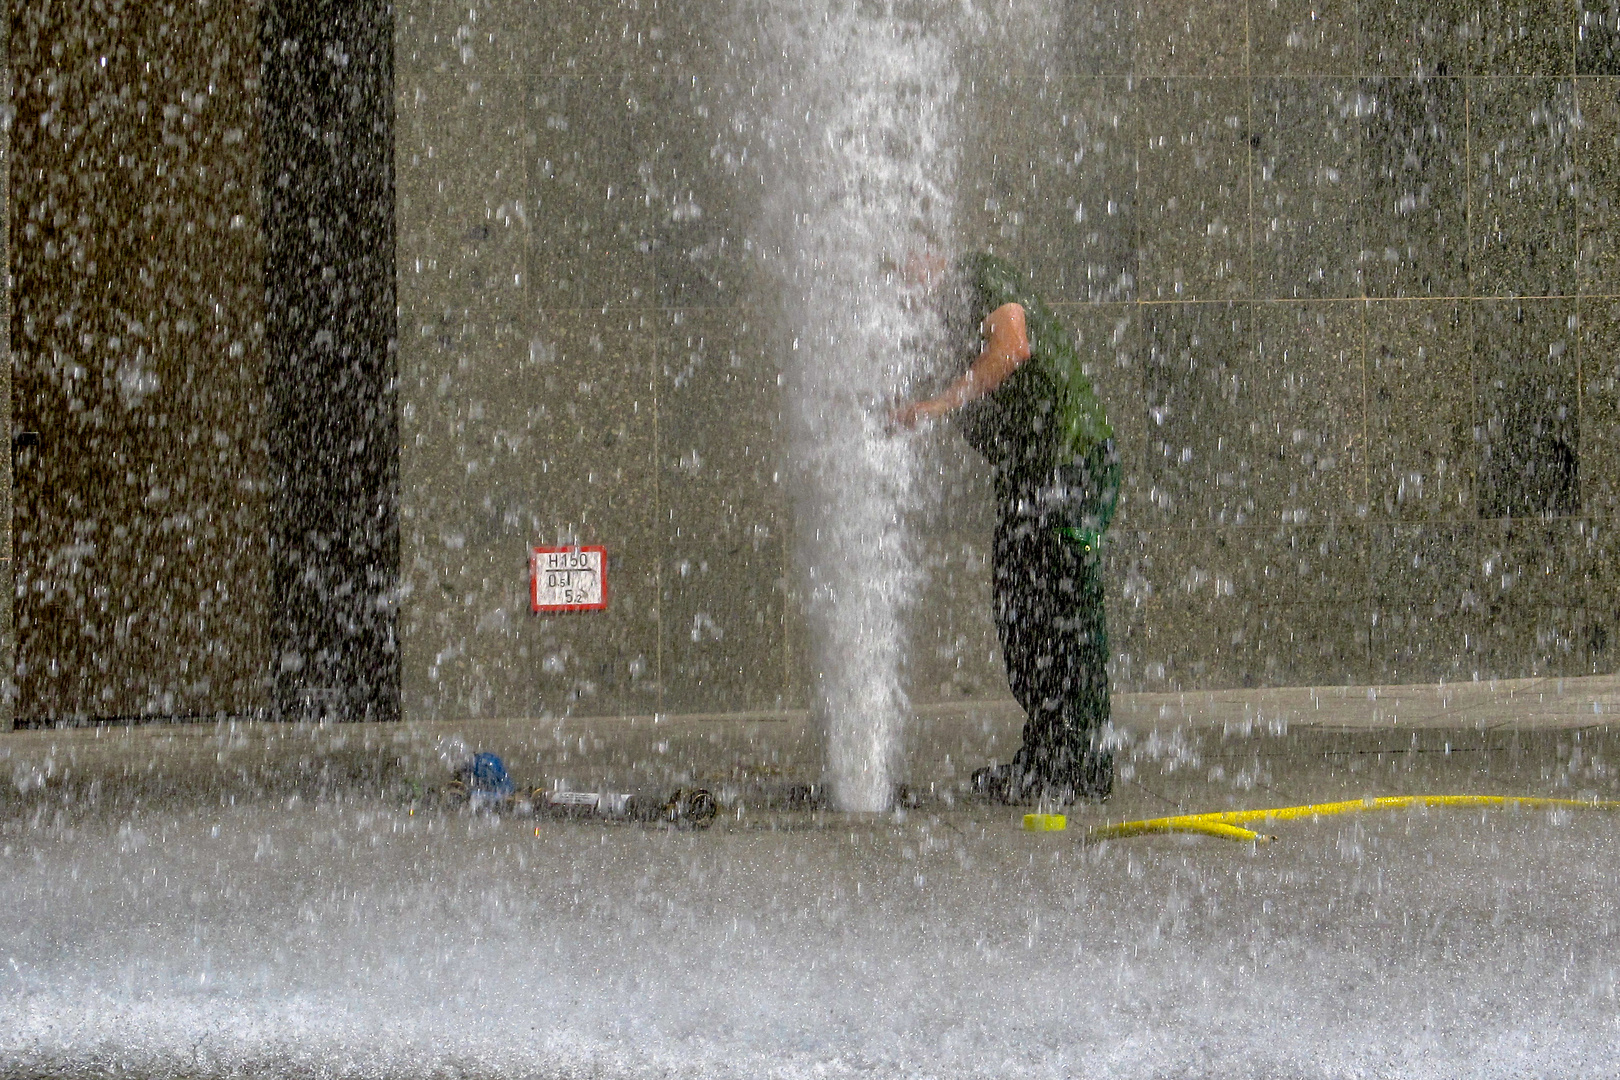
(1345, 274)
(134, 386)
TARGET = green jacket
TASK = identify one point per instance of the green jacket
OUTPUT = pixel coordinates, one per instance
(1043, 430)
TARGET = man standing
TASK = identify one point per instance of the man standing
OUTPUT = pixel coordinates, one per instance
(1027, 407)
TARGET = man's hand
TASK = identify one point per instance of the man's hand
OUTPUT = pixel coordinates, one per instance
(1006, 346)
(906, 416)
(925, 268)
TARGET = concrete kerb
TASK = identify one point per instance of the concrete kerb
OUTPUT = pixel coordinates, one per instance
(1199, 750)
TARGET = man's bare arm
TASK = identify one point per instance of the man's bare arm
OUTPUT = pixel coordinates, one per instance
(1006, 346)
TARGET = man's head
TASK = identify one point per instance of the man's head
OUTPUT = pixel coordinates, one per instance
(926, 268)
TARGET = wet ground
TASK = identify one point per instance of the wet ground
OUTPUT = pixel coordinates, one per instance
(336, 923)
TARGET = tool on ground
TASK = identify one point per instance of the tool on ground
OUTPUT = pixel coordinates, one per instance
(694, 807)
(690, 806)
(608, 804)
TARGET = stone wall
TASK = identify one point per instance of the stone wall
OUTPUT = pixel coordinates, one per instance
(201, 321)
(1346, 277)
(136, 404)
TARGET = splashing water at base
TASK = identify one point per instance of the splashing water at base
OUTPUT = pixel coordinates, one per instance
(350, 940)
(861, 148)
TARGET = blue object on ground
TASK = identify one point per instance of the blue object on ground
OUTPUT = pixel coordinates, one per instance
(486, 775)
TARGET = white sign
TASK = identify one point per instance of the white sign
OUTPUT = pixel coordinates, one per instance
(569, 578)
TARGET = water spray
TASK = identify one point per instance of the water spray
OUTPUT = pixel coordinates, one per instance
(861, 141)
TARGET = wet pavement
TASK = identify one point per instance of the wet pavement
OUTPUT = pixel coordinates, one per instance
(284, 902)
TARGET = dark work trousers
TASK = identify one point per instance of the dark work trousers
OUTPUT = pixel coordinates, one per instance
(1054, 638)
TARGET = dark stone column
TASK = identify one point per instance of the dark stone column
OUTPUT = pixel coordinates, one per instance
(138, 305)
(328, 179)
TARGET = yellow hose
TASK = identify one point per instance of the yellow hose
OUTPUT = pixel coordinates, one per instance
(1228, 823)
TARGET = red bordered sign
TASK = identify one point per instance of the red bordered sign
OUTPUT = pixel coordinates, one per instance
(568, 578)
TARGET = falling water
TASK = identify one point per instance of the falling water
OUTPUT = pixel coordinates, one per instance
(861, 143)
